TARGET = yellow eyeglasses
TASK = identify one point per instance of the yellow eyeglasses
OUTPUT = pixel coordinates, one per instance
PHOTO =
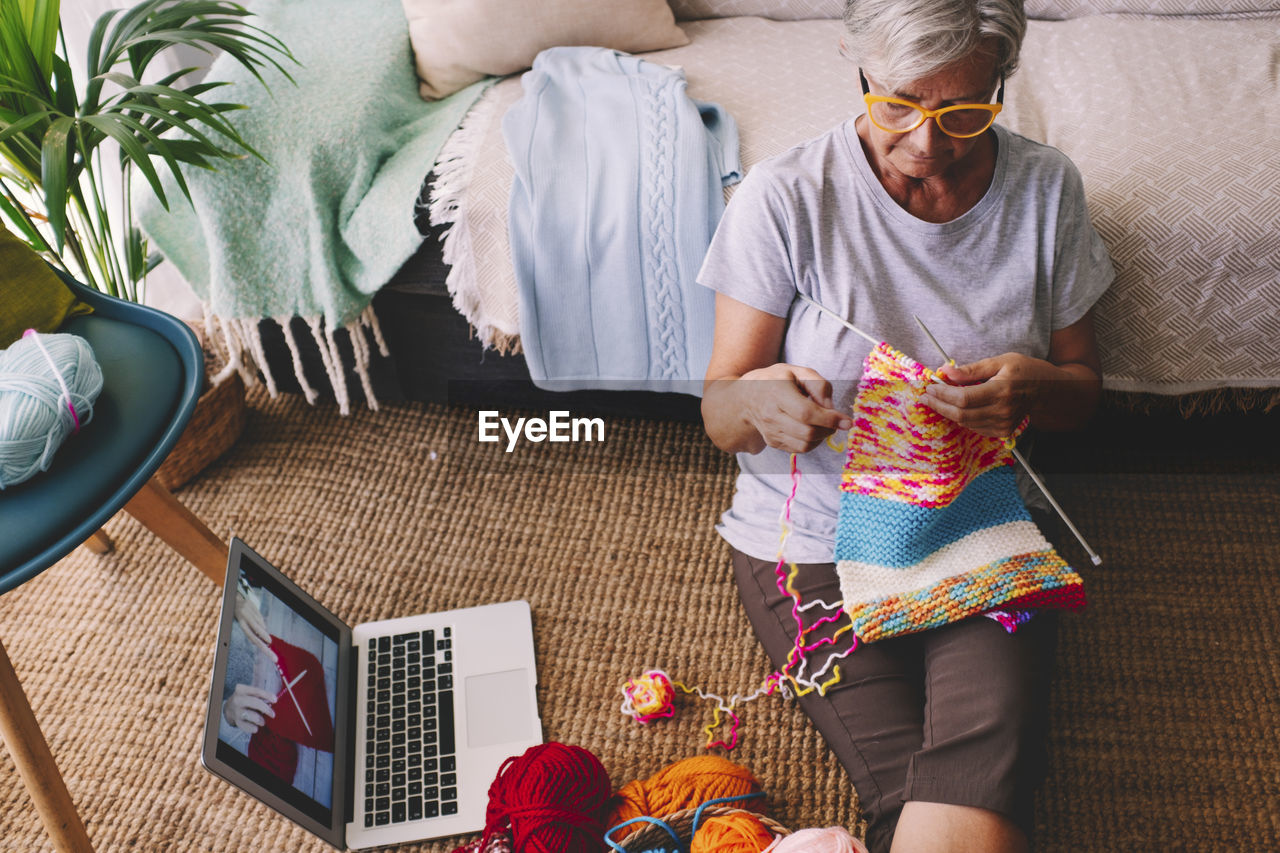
(894, 115)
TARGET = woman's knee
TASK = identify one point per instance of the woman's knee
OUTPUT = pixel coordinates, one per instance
(929, 827)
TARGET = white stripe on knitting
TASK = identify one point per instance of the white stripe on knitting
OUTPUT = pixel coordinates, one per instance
(869, 582)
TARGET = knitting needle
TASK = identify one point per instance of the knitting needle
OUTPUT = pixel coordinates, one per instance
(288, 687)
(1093, 555)
(296, 679)
(842, 321)
(933, 339)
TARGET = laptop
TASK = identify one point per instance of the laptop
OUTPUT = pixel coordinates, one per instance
(383, 733)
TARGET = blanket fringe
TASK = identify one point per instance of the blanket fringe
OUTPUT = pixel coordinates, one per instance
(455, 165)
(454, 170)
(292, 343)
(236, 344)
(1196, 404)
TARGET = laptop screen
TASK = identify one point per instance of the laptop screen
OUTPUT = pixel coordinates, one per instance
(274, 706)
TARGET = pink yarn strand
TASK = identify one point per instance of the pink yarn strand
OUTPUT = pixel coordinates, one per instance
(57, 375)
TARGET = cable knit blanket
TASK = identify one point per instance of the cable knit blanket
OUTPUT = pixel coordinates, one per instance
(619, 185)
(328, 218)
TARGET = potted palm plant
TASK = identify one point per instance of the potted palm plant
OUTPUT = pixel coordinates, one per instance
(60, 190)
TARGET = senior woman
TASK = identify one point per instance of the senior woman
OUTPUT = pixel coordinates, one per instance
(920, 206)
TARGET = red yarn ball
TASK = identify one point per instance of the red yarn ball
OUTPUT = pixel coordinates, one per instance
(551, 798)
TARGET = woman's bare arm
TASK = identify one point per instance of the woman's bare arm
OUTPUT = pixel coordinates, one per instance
(750, 400)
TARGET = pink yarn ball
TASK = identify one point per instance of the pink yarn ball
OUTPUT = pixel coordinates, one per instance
(830, 840)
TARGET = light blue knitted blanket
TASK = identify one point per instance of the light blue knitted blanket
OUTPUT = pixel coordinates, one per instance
(329, 218)
(619, 180)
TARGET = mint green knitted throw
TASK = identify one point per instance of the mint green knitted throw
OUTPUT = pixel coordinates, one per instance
(329, 218)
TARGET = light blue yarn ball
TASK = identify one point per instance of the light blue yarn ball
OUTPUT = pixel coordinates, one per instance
(34, 416)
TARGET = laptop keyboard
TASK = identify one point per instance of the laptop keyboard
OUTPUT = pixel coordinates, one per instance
(410, 762)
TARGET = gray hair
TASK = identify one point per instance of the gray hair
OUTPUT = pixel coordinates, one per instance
(900, 41)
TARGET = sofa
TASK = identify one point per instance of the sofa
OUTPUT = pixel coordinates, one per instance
(1169, 108)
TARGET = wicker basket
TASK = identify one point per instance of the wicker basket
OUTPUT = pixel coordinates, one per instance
(214, 426)
(655, 836)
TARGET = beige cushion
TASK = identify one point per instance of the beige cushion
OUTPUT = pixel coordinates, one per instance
(457, 42)
(776, 10)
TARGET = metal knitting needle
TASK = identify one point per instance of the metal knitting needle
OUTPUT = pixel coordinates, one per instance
(842, 321)
(1035, 478)
(925, 329)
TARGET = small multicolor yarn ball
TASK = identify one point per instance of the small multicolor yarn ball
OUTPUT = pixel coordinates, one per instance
(834, 839)
(550, 799)
(649, 696)
(731, 833)
(499, 842)
(685, 784)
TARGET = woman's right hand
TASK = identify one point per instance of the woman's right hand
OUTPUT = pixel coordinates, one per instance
(248, 707)
(790, 406)
(253, 625)
(751, 400)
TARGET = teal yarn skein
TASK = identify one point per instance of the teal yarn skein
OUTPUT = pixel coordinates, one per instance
(48, 384)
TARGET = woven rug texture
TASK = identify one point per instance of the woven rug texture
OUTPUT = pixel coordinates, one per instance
(1165, 721)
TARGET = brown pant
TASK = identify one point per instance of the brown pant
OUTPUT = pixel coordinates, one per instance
(953, 715)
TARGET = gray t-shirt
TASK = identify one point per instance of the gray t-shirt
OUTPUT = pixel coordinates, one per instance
(1023, 262)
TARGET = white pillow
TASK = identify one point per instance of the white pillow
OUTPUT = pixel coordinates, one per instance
(457, 42)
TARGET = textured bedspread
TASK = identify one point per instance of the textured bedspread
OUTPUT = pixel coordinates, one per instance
(1175, 125)
(1171, 121)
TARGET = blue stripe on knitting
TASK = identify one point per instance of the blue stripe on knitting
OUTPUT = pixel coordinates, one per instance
(897, 534)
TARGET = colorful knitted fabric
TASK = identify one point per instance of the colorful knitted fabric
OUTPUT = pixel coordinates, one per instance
(931, 527)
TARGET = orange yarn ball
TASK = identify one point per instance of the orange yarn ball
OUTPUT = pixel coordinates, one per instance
(686, 784)
(731, 833)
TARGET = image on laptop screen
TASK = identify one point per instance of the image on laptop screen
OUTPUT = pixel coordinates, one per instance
(278, 700)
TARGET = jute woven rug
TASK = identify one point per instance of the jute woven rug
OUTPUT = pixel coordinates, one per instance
(1167, 709)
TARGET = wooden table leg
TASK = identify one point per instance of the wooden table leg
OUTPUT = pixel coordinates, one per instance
(161, 512)
(100, 543)
(35, 763)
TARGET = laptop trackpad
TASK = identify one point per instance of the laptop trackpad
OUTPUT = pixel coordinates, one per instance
(498, 708)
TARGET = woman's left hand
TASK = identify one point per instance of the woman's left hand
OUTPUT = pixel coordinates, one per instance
(990, 396)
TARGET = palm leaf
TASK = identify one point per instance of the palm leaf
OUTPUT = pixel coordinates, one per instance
(191, 152)
(41, 17)
(52, 132)
(18, 59)
(18, 217)
(175, 102)
(13, 128)
(119, 127)
(55, 174)
(206, 25)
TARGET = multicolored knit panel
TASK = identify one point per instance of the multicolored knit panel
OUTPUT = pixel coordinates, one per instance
(931, 527)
